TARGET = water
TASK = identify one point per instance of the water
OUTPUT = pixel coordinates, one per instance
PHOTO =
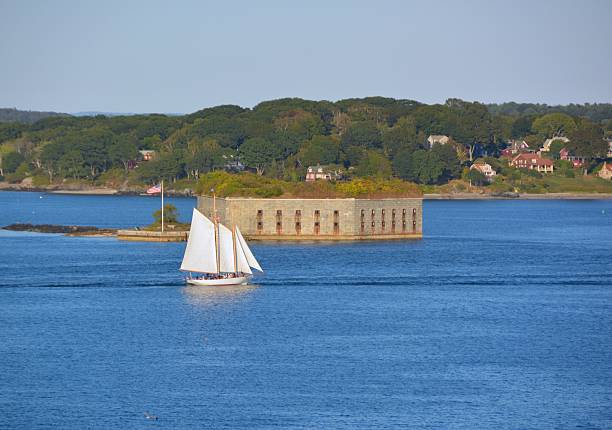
(501, 317)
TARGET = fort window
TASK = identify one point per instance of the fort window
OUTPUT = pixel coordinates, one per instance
(317, 227)
(317, 215)
(362, 227)
(336, 222)
(259, 220)
(393, 226)
(413, 226)
(392, 214)
(298, 221)
(414, 213)
(382, 226)
(362, 215)
(403, 226)
(279, 221)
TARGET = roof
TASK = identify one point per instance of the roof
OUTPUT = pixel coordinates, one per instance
(607, 166)
(528, 157)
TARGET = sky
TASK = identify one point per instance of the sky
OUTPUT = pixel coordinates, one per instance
(180, 56)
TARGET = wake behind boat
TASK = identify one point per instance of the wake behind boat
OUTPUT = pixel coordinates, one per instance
(219, 255)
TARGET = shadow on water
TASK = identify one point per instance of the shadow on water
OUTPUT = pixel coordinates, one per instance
(212, 296)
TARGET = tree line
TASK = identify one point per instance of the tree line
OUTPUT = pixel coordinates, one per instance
(366, 137)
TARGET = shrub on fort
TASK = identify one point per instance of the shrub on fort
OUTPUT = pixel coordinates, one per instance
(378, 188)
(239, 185)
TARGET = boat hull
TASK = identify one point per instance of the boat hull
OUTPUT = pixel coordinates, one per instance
(241, 280)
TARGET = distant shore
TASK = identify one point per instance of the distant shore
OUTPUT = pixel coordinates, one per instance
(106, 191)
(86, 190)
(523, 196)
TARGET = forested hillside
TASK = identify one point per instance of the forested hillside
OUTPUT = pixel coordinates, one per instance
(368, 137)
(24, 116)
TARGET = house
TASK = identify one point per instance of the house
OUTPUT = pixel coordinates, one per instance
(532, 162)
(437, 138)
(565, 155)
(147, 154)
(548, 142)
(320, 173)
(485, 169)
(606, 171)
(517, 146)
(609, 140)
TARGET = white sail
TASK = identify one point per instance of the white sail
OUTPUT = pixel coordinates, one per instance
(247, 251)
(226, 250)
(200, 253)
(242, 264)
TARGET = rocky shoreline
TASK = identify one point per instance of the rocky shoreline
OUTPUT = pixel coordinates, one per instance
(70, 230)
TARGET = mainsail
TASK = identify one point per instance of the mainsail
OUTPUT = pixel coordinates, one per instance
(200, 253)
(247, 251)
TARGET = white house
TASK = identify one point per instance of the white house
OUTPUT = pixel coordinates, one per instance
(485, 169)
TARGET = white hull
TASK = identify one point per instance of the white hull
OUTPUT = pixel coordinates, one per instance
(241, 280)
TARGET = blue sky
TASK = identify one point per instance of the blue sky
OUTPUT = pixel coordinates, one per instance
(180, 56)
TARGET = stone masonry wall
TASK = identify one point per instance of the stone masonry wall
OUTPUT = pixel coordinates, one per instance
(319, 219)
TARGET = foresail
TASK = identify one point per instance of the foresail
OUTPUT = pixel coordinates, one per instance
(226, 250)
(200, 254)
(247, 251)
(241, 259)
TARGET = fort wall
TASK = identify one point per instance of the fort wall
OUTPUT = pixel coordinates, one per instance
(319, 219)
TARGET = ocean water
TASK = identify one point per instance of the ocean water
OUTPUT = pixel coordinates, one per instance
(501, 318)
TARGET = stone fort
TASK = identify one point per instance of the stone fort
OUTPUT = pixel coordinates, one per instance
(319, 219)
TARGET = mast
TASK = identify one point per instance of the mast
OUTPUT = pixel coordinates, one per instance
(235, 254)
(216, 221)
(162, 209)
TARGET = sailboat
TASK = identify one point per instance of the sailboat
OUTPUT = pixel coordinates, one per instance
(221, 256)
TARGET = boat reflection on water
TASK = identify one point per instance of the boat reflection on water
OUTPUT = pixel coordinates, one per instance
(216, 295)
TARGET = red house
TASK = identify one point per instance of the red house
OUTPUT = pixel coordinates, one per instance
(532, 162)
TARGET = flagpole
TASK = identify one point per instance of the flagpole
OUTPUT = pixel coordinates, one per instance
(162, 201)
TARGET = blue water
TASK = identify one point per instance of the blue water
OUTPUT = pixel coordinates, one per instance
(501, 318)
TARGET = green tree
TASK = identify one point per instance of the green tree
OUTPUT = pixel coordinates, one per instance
(420, 166)
(258, 153)
(50, 156)
(203, 157)
(123, 150)
(362, 133)
(521, 127)
(11, 161)
(319, 150)
(170, 215)
(587, 141)
(474, 126)
(447, 155)
(475, 177)
(374, 164)
(72, 164)
(403, 135)
(555, 148)
(554, 125)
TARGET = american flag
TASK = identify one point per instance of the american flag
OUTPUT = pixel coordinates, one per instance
(154, 189)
